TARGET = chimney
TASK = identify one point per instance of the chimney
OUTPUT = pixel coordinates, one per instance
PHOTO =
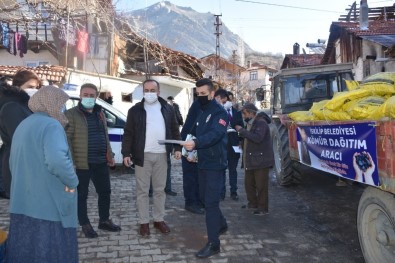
(296, 49)
(364, 15)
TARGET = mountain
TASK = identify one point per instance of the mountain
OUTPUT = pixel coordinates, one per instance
(183, 29)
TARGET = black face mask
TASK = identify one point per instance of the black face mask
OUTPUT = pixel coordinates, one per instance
(203, 100)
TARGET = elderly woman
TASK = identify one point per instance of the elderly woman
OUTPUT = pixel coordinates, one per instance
(43, 203)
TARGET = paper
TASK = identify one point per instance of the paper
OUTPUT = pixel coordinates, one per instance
(171, 141)
(237, 149)
(231, 130)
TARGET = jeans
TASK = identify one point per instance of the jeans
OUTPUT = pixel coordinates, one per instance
(190, 183)
(210, 182)
(99, 174)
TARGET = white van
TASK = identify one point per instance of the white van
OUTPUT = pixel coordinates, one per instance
(115, 121)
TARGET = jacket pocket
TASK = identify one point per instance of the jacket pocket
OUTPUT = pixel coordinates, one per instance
(68, 203)
(255, 159)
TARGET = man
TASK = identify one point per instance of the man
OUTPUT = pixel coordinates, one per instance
(148, 121)
(210, 142)
(90, 147)
(193, 202)
(234, 118)
(179, 118)
(258, 159)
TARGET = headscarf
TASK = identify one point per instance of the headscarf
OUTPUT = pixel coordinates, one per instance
(50, 99)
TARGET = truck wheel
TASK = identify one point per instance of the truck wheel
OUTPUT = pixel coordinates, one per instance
(376, 225)
(284, 167)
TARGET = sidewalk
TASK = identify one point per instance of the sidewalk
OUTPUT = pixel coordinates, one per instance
(293, 231)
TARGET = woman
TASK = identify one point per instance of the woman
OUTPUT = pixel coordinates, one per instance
(43, 206)
(13, 109)
(26, 79)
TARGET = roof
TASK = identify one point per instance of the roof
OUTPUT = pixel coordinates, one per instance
(45, 72)
(303, 60)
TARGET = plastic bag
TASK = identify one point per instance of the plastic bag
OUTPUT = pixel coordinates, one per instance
(387, 109)
(362, 108)
(302, 116)
(340, 98)
(190, 155)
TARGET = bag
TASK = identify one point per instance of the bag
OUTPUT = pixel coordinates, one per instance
(190, 155)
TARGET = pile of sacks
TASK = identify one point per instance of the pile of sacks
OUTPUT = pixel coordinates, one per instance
(372, 99)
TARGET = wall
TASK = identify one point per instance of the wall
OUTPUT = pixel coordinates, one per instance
(117, 86)
(43, 56)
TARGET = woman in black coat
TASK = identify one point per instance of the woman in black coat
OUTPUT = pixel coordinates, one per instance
(13, 110)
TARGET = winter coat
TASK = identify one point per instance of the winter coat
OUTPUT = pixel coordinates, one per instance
(77, 135)
(133, 141)
(258, 149)
(211, 139)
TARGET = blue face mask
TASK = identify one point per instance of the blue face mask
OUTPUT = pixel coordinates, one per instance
(88, 103)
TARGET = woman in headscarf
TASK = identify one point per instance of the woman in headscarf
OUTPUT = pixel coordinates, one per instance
(13, 110)
(43, 205)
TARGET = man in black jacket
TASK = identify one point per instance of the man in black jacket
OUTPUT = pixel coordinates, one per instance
(148, 121)
(210, 143)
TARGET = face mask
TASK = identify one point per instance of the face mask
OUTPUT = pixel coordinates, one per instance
(227, 105)
(88, 103)
(150, 97)
(203, 100)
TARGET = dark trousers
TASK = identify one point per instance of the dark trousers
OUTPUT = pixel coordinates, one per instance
(257, 188)
(210, 182)
(190, 183)
(168, 179)
(233, 160)
(100, 177)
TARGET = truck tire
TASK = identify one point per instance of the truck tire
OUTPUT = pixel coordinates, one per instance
(284, 167)
(376, 225)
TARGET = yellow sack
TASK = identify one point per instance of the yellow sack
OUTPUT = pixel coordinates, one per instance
(362, 108)
(345, 96)
(322, 113)
(383, 77)
(387, 109)
(379, 88)
(302, 116)
(351, 84)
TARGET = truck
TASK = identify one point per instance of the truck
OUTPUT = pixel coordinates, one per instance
(356, 150)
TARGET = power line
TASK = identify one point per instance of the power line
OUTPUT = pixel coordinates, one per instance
(290, 6)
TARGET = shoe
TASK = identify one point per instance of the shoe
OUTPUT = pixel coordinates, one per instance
(260, 212)
(223, 230)
(144, 230)
(89, 231)
(194, 209)
(171, 193)
(209, 250)
(234, 197)
(162, 227)
(108, 225)
(249, 206)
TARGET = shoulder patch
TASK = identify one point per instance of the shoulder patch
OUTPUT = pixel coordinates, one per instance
(222, 122)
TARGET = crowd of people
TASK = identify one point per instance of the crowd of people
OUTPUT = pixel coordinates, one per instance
(49, 156)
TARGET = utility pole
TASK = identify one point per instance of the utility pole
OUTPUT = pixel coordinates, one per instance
(217, 24)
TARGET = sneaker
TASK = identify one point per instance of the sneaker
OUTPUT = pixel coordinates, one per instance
(89, 231)
(108, 225)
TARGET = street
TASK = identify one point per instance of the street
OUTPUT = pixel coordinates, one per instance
(312, 222)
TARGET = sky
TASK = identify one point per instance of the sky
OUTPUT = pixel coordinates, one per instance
(268, 25)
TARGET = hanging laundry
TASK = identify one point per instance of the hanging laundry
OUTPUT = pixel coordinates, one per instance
(22, 45)
(83, 41)
(67, 33)
(6, 31)
(11, 40)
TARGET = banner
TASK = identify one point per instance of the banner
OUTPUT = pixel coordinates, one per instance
(345, 150)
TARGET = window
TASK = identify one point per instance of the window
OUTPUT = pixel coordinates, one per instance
(254, 75)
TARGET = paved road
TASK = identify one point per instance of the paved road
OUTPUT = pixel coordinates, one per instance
(313, 222)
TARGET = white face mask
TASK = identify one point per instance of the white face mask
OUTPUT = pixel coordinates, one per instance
(228, 105)
(150, 97)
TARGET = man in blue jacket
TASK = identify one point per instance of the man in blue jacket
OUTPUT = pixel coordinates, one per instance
(210, 143)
